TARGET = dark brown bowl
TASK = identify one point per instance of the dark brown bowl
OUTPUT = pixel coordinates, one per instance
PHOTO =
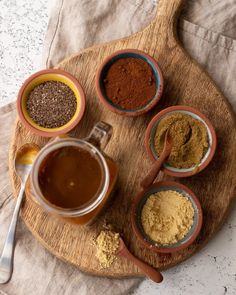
(181, 172)
(138, 204)
(103, 68)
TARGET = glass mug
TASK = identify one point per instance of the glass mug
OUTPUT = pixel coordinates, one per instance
(94, 144)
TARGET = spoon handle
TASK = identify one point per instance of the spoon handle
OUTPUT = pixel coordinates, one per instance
(149, 271)
(156, 167)
(6, 260)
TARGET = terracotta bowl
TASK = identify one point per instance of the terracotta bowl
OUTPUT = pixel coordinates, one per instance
(138, 204)
(150, 135)
(41, 77)
(101, 73)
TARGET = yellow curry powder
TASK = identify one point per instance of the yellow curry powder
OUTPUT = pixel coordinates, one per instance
(167, 217)
(190, 139)
(107, 244)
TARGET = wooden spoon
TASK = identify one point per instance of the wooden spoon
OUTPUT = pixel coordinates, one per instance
(149, 271)
(148, 180)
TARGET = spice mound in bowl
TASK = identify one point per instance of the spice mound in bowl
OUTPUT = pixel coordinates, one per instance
(190, 139)
(193, 136)
(107, 244)
(129, 82)
(166, 217)
(50, 102)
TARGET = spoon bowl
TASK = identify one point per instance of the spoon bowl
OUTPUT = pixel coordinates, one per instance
(24, 160)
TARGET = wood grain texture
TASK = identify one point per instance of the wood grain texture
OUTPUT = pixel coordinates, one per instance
(185, 83)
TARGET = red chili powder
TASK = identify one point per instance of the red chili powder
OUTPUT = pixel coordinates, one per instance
(130, 83)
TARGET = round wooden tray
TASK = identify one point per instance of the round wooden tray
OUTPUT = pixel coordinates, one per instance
(185, 83)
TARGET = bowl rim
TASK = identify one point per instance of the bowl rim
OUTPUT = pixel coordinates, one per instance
(112, 108)
(139, 234)
(73, 123)
(165, 111)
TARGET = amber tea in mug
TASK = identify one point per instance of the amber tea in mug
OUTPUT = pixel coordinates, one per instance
(73, 178)
(70, 177)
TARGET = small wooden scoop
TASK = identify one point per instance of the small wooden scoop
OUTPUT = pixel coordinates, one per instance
(149, 271)
(148, 180)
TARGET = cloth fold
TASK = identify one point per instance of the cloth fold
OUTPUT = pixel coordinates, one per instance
(206, 29)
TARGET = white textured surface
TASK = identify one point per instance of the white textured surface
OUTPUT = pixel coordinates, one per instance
(22, 28)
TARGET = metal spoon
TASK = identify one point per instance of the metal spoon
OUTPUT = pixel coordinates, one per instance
(148, 180)
(23, 163)
(149, 271)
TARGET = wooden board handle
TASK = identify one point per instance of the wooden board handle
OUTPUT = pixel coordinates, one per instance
(167, 15)
(169, 9)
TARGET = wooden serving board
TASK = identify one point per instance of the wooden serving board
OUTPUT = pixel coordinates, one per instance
(185, 83)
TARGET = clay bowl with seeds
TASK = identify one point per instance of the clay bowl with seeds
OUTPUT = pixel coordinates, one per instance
(152, 131)
(50, 102)
(129, 82)
(138, 226)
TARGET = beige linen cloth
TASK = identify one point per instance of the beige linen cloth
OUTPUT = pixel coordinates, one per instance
(207, 29)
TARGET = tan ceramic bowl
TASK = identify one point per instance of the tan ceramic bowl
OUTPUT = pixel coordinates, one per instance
(38, 78)
(138, 204)
(102, 70)
(150, 134)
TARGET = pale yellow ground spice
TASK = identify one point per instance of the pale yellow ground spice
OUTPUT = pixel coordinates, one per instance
(167, 217)
(107, 244)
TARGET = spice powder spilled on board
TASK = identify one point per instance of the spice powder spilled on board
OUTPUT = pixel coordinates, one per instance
(130, 83)
(190, 139)
(107, 244)
(51, 104)
(167, 217)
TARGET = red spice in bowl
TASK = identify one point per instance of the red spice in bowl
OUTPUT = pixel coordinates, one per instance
(130, 83)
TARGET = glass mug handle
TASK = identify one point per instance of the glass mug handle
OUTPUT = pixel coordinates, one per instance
(100, 135)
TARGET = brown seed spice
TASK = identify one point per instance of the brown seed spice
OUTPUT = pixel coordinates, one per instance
(51, 104)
